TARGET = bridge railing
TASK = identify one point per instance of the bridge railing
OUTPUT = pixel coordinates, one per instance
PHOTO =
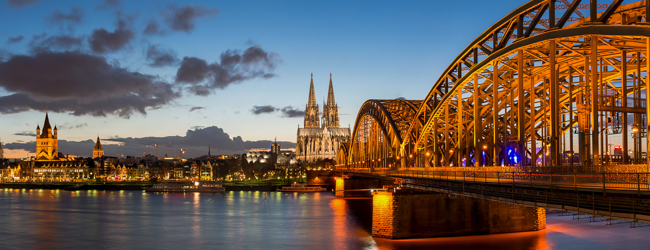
(602, 180)
(629, 168)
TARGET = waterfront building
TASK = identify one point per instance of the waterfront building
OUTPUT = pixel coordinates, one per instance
(142, 171)
(206, 171)
(320, 140)
(98, 152)
(282, 157)
(9, 172)
(1, 152)
(59, 171)
(178, 172)
(47, 146)
(132, 172)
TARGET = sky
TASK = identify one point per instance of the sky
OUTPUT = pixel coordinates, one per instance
(229, 75)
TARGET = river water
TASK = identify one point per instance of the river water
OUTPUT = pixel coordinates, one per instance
(58, 219)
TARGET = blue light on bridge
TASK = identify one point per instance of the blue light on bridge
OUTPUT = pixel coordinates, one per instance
(512, 155)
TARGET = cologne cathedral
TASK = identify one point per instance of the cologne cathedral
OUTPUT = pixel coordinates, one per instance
(321, 136)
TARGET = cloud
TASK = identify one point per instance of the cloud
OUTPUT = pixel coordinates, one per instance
(59, 17)
(78, 83)
(102, 41)
(153, 28)
(263, 109)
(192, 70)
(233, 67)
(183, 18)
(66, 126)
(195, 141)
(3, 54)
(26, 133)
(107, 4)
(196, 108)
(160, 58)
(21, 3)
(291, 112)
(15, 39)
(43, 42)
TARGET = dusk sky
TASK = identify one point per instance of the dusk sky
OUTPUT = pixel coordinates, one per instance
(229, 74)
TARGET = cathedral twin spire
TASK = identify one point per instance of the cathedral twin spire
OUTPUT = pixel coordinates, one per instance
(311, 111)
(330, 116)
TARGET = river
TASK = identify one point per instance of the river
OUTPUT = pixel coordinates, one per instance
(58, 219)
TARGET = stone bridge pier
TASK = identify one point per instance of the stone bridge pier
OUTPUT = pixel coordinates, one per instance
(411, 214)
(359, 186)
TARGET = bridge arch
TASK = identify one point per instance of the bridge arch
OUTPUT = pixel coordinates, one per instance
(545, 83)
(378, 131)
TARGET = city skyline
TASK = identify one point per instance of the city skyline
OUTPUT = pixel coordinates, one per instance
(171, 51)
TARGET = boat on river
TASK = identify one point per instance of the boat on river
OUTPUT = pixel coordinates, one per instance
(296, 187)
(182, 187)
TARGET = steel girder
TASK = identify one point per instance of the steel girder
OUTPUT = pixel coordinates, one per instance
(379, 121)
(538, 75)
(480, 66)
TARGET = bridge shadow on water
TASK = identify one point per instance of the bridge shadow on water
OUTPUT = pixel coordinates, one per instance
(361, 209)
(561, 233)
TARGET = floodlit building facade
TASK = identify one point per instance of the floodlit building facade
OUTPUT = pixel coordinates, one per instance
(321, 136)
(47, 146)
(98, 152)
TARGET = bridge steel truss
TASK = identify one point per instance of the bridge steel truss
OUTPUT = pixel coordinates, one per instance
(378, 133)
(521, 93)
(594, 204)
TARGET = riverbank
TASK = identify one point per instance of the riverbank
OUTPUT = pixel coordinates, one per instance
(83, 186)
(114, 186)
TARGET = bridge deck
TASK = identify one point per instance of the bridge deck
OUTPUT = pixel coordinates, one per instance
(610, 195)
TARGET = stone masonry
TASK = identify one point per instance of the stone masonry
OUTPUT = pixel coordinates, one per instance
(420, 215)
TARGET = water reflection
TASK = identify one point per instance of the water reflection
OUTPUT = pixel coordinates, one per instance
(50, 219)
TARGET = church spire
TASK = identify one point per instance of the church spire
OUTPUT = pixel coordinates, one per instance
(98, 152)
(46, 124)
(330, 110)
(98, 145)
(312, 95)
(47, 128)
(311, 111)
(330, 94)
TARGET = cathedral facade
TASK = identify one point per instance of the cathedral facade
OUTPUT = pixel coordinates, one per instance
(321, 136)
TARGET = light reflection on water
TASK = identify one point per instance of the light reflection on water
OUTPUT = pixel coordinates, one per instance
(57, 219)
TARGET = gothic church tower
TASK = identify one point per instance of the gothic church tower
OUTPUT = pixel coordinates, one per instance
(47, 145)
(321, 141)
(311, 111)
(330, 109)
(98, 152)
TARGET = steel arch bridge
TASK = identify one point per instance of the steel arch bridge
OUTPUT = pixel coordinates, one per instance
(550, 84)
